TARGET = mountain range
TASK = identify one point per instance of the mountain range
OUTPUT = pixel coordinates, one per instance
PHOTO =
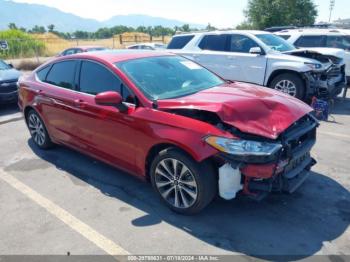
(28, 15)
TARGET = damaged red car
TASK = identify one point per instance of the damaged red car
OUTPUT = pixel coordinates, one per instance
(172, 122)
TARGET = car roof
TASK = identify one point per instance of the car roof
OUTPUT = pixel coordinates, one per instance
(115, 56)
(84, 47)
(314, 31)
(253, 32)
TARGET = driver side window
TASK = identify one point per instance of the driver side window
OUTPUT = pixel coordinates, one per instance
(241, 44)
(95, 78)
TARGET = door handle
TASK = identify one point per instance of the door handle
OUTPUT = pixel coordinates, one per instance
(80, 103)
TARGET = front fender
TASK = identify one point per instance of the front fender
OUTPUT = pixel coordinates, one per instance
(291, 66)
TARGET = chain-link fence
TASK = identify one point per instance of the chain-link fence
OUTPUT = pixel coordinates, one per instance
(20, 52)
(19, 48)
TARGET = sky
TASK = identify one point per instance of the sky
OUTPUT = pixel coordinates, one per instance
(220, 13)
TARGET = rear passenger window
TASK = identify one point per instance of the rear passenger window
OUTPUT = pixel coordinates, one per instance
(214, 42)
(42, 73)
(62, 74)
(95, 78)
(179, 42)
(311, 41)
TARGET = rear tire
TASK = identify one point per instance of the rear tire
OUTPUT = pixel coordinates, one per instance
(38, 130)
(185, 185)
(289, 83)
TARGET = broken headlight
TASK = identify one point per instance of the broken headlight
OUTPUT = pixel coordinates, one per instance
(243, 147)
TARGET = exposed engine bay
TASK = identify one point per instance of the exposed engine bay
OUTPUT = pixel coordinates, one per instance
(328, 82)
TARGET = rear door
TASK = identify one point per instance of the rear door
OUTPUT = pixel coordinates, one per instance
(56, 95)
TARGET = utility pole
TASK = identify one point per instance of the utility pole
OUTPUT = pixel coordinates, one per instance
(331, 7)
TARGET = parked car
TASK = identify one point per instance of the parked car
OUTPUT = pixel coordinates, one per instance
(81, 49)
(147, 46)
(171, 121)
(8, 83)
(265, 59)
(333, 38)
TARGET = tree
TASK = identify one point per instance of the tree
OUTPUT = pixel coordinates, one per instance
(12, 26)
(38, 30)
(51, 28)
(266, 13)
(185, 28)
(245, 26)
(210, 27)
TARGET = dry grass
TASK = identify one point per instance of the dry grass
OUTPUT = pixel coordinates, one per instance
(55, 44)
(28, 65)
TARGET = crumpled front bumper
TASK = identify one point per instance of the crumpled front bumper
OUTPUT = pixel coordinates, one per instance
(287, 169)
(327, 84)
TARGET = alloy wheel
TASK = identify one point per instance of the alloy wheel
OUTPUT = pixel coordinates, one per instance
(36, 129)
(286, 86)
(176, 183)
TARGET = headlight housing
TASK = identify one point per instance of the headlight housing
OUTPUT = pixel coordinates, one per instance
(245, 150)
(314, 66)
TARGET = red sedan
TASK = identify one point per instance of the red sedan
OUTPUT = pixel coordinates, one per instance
(172, 122)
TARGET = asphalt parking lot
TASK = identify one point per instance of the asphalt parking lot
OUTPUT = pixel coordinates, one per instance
(59, 201)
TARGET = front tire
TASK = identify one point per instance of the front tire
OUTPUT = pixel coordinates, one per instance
(290, 84)
(38, 130)
(185, 185)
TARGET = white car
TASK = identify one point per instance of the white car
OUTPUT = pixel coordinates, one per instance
(147, 46)
(310, 37)
(265, 59)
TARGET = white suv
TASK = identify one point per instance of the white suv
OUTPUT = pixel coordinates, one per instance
(310, 37)
(265, 59)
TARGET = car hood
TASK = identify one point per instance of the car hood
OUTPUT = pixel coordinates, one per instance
(321, 50)
(250, 108)
(9, 74)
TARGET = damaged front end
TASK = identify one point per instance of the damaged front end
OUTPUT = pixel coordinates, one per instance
(263, 165)
(329, 79)
(264, 139)
(282, 169)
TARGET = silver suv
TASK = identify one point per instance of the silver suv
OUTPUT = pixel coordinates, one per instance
(265, 59)
(310, 37)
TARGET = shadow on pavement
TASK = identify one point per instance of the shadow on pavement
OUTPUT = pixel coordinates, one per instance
(282, 227)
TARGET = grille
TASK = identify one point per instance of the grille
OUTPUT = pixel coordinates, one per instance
(8, 86)
(336, 71)
(299, 138)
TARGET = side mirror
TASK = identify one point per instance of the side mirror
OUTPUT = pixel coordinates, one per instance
(111, 98)
(255, 50)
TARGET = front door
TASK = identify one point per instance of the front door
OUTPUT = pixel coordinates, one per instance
(104, 131)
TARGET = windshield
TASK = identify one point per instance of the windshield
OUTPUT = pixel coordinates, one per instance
(4, 66)
(168, 77)
(275, 42)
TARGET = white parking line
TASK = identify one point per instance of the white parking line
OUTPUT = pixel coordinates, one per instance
(89, 233)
